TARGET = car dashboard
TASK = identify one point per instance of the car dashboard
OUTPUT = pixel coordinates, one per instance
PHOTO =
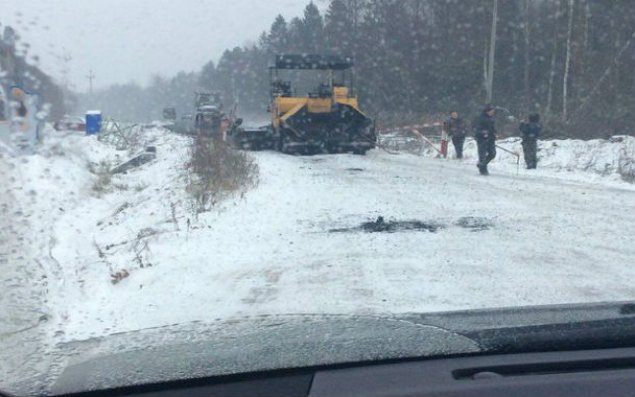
(602, 372)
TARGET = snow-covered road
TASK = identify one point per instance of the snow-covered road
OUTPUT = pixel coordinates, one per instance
(22, 285)
(293, 244)
(550, 242)
(280, 249)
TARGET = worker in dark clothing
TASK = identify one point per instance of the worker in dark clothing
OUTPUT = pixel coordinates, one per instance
(22, 110)
(531, 132)
(485, 133)
(456, 129)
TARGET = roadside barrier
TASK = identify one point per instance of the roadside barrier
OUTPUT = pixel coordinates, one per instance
(513, 154)
(443, 149)
(428, 141)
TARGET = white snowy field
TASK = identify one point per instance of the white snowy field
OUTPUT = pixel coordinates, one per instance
(559, 234)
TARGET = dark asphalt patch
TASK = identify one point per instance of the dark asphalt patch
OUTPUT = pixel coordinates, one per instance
(474, 224)
(380, 225)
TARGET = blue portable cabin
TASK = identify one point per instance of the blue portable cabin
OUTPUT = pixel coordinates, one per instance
(93, 122)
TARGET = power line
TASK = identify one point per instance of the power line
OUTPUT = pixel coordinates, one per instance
(91, 76)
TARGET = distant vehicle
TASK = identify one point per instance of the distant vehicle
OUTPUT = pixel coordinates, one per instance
(208, 118)
(203, 99)
(181, 124)
(169, 114)
(70, 123)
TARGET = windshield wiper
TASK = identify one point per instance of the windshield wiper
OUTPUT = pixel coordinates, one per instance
(600, 334)
(542, 328)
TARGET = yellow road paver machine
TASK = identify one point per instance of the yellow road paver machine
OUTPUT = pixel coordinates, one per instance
(311, 114)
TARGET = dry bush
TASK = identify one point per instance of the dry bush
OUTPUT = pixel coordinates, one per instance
(216, 170)
(115, 278)
(104, 177)
(56, 150)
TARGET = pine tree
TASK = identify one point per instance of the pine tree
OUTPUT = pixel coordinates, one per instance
(338, 28)
(278, 37)
(312, 32)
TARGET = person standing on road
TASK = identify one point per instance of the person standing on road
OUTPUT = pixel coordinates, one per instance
(2, 111)
(531, 132)
(485, 134)
(456, 129)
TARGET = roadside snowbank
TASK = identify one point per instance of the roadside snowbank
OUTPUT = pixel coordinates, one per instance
(613, 158)
(37, 190)
(56, 190)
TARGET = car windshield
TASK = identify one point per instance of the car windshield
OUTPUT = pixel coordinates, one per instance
(261, 185)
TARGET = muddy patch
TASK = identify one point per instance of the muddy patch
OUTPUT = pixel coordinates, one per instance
(474, 224)
(380, 225)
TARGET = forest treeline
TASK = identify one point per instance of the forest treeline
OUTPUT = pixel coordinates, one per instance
(570, 60)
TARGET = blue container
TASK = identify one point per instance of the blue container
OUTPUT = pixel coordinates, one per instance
(93, 122)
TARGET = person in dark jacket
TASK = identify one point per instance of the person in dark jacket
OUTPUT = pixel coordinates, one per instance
(456, 129)
(22, 110)
(3, 116)
(485, 134)
(531, 132)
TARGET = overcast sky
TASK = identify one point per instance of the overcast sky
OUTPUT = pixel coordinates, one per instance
(131, 40)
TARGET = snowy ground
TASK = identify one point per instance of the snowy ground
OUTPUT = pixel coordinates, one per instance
(559, 234)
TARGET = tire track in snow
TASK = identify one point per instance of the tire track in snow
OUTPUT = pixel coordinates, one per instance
(20, 302)
(23, 283)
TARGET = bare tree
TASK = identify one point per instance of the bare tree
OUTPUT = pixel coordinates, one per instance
(527, 46)
(567, 64)
(554, 55)
(587, 17)
(489, 81)
(606, 73)
(584, 63)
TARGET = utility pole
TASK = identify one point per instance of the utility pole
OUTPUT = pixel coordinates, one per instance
(567, 65)
(66, 58)
(90, 78)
